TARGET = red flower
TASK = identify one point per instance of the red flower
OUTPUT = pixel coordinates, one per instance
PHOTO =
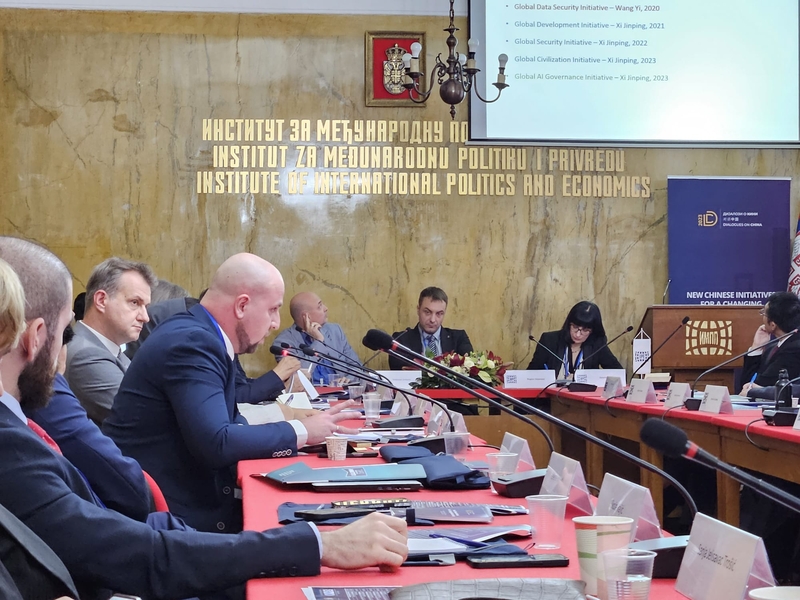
(456, 360)
(473, 371)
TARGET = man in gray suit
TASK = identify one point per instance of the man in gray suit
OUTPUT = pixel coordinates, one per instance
(117, 296)
(311, 327)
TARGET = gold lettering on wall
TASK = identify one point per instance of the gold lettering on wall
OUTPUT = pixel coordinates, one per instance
(370, 157)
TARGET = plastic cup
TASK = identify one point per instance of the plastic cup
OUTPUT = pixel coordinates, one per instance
(500, 464)
(547, 520)
(337, 447)
(372, 406)
(628, 573)
(356, 391)
(456, 444)
(594, 536)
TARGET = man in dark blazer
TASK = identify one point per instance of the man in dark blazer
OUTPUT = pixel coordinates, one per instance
(429, 335)
(781, 314)
(104, 550)
(29, 569)
(176, 413)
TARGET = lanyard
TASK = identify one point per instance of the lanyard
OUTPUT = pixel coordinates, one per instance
(219, 329)
(567, 356)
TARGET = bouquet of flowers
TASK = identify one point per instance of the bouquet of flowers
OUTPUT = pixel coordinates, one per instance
(483, 366)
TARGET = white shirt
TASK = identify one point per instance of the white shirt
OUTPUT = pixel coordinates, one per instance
(113, 347)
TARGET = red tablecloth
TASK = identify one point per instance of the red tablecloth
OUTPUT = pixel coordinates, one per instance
(261, 499)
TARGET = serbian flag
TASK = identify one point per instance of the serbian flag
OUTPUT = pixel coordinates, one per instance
(794, 275)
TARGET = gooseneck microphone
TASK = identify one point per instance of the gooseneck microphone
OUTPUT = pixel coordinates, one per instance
(606, 345)
(376, 339)
(560, 359)
(309, 351)
(396, 336)
(661, 345)
(279, 350)
(738, 356)
(673, 441)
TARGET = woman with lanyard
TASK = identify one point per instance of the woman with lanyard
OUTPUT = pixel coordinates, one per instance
(579, 344)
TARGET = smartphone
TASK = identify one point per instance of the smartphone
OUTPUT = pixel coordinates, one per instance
(508, 561)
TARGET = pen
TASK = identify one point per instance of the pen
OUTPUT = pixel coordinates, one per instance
(458, 540)
(289, 399)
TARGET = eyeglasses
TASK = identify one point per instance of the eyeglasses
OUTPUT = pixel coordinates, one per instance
(580, 330)
(763, 312)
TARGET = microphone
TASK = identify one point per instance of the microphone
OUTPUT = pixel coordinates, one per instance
(661, 345)
(606, 345)
(278, 350)
(673, 441)
(666, 289)
(738, 356)
(376, 339)
(348, 362)
(396, 336)
(560, 359)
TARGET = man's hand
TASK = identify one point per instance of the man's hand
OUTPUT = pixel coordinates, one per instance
(287, 367)
(298, 414)
(324, 424)
(761, 337)
(313, 329)
(375, 540)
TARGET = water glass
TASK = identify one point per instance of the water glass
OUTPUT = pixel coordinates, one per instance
(372, 406)
(628, 573)
(501, 464)
(547, 519)
(356, 391)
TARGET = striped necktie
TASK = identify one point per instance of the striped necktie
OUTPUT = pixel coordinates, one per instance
(431, 346)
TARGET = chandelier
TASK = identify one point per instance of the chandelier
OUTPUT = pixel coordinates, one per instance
(456, 77)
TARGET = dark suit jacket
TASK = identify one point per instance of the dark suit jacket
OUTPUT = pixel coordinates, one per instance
(787, 356)
(176, 414)
(254, 390)
(29, 570)
(103, 549)
(542, 359)
(451, 340)
(116, 479)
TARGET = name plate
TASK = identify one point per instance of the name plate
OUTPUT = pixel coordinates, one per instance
(722, 561)
(621, 498)
(642, 392)
(401, 379)
(564, 477)
(519, 446)
(598, 376)
(797, 421)
(531, 380)
(677, 394)
(716, 400)
(612, 388)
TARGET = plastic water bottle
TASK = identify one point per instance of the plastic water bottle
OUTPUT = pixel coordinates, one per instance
(783, 390)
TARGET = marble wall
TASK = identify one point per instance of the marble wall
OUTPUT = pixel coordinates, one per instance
(101, 125)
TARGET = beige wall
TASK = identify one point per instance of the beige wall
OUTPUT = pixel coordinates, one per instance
(101, 128)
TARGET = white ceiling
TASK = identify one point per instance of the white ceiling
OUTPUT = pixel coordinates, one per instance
(347, 7)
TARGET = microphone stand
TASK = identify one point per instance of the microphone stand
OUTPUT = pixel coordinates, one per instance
(738, 356)
(285, 352)
(376, 338)
(472, 392)
(305, 348)
(538, 343)
(606, 345)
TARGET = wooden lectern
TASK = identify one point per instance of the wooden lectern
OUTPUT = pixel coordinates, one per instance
(712, 335)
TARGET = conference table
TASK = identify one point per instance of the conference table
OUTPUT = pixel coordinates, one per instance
(777, 453)
(261, 499)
